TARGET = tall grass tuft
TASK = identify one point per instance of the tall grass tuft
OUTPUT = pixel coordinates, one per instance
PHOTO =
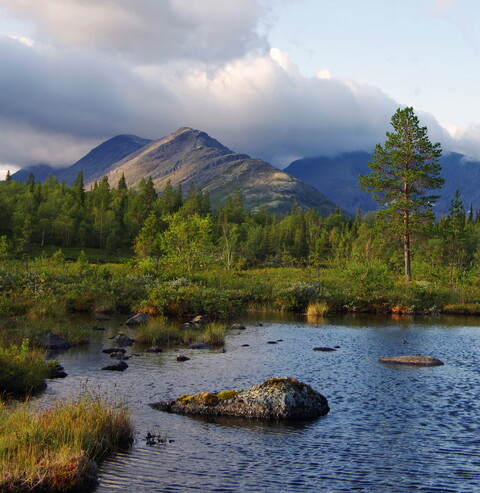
(214, 334)
(22, 370)
(317, 309)
(54, 450)
(159, 332)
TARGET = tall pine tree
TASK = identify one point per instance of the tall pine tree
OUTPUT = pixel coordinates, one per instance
(404, 171)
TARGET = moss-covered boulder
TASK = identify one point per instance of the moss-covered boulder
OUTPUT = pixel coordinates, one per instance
(276, 398)
(412, 359)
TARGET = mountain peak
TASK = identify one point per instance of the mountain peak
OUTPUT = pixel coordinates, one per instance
(186, 136)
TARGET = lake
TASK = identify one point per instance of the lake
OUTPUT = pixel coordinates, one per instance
(390, 429)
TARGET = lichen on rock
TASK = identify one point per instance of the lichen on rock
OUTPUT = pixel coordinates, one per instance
(275, 398)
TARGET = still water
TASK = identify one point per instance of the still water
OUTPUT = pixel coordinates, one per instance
(389, 429)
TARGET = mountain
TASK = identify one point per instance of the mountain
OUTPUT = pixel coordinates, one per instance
(93, 164)
(337, 178)
(40, 171)
(191, 157)
(99, 159)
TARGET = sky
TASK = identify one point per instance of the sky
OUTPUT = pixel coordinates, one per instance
(275, 79)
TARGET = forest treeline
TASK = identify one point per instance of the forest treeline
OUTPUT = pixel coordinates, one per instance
(179, 229)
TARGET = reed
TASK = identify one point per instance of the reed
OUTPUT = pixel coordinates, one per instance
(56, 449)
(22, 370)
(214, 334)
(159, 332)
(317, 309)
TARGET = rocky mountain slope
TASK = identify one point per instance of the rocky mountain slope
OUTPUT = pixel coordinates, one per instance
(191, 157)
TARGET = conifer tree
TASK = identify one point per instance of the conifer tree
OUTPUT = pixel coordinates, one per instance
(403, 173)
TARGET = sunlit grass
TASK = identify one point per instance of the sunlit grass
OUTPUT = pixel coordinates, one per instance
(214, 334)
(54, 449)
(22, 370)
(157, 331)
(317, 309)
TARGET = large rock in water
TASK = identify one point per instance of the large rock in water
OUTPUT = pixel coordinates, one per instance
(412, 359)
(276, 398)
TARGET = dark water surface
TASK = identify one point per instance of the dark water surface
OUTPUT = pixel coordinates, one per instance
(389, 429)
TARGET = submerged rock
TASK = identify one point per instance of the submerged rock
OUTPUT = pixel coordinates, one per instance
(52, 341)
(120, 366)
(182, 357)
(276, 398)
(238, 327)
(412, 359)
(324, 349)
(139, 318)
(200, 345)
(57, 371)
(154, 349)
(123, 340)
(111, 350)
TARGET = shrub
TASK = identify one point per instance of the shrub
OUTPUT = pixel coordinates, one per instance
(296, 297)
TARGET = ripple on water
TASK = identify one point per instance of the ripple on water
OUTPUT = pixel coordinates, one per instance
(389, 429)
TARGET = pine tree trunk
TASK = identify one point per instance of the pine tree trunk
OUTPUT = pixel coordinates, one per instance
(406, 255)
(406, 246)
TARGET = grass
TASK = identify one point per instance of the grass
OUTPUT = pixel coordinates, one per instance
(317, 309)
(159, 332)
(56, 449)
(22, 370)
(16, 330)
(214, 334)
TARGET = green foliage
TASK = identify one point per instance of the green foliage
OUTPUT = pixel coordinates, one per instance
(297, 297)
(214, 334)
(404, 172)
(22, 370)
(157, 331)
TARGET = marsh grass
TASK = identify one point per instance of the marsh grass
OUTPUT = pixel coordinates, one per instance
(157, 331)
(14, 331)
(22, 370)
(214, 334)
(317, 309)
(55, 449)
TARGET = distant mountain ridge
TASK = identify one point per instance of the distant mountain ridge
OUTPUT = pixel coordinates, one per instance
(337, 178)
(190, 157)
(92, 164)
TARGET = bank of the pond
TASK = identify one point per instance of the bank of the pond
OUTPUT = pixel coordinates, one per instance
(51, 290)
(58, 449)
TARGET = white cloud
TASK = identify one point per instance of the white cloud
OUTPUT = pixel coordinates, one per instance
(149, 30)
(180, 65)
